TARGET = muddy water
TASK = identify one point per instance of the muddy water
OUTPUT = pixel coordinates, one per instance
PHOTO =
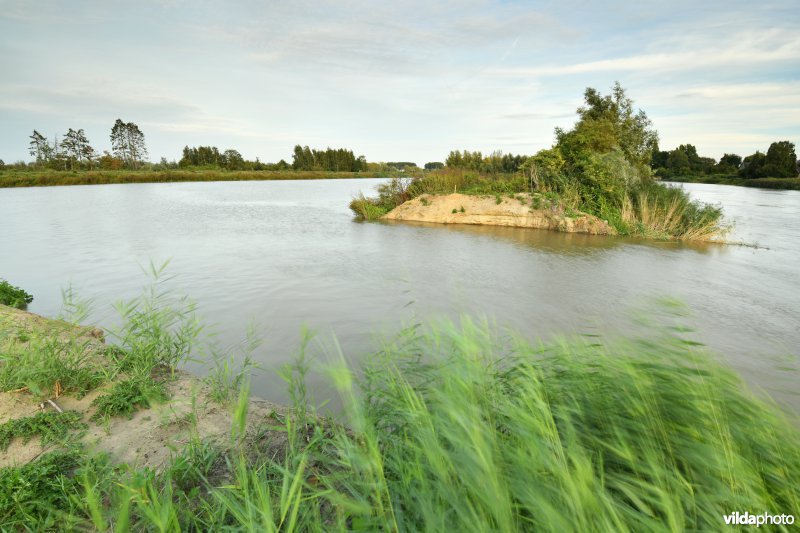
(288, 254)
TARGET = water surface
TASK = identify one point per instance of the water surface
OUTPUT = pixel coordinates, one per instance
(288, 254)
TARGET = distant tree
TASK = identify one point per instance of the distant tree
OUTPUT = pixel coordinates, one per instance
(40, 148)
(728, 164)
(731, 159)
(2, 165)
(753, 165)
(127, 143)
(781, 160)
(659, 159)
(233, 160)
(435, 165)
(678, 162)
(76, 148)
(330, 159)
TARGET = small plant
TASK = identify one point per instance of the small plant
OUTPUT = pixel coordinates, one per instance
(424, 201)
(462, 210)
(225, 377)
(51, 426)
(13, 296)
(126, 396)
(454, 211)
(29, 493)
(497, 199)
(46, 366)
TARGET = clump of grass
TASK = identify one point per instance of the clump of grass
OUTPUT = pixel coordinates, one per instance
(229, 371)
(32, 495)
(46, 365)
(664, 212)
(51, 426)
(367, 208)
(158, 329)
(126, 396)
(13, 296)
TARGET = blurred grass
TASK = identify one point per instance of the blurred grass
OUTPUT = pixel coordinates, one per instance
(464, 428)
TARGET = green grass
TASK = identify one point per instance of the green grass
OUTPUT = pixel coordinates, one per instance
(464, 428)
(43, 178)
(13, 296)
(128, 395)
(51, 426)
(45, 363)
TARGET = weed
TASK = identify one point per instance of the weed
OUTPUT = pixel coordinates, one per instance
(497, 199)
(51, 426)
(13, 296)
(225, 376)
(462, 210)
(159, 330)
(454, 211)
(126, 396)
(32, 494)
(48, 365)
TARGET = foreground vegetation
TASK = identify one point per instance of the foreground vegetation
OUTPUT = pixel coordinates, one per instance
(600, 167)
(34, 178)
(446, 427)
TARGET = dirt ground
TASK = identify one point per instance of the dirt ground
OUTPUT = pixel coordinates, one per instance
(517, 211)
(151, 436)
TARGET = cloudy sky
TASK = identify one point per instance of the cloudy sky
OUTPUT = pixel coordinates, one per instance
(395, 81)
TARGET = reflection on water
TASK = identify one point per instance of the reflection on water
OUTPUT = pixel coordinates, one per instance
(562, 243)
(288, 254)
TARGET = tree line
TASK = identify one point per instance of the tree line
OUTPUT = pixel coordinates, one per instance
(780, 161)
(73, 150)
(495, 163)
(338, 159)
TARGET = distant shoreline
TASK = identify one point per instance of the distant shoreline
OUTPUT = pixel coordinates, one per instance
(47, 178)
(788, 184)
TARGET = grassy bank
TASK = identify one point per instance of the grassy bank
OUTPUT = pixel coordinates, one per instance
(103, 177)
(445, 428)
(763, 183)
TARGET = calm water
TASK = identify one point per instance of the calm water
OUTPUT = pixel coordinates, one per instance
(288, 254)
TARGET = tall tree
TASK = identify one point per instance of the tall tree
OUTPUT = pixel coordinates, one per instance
(40, 148)
(127, 143)
(781, 160)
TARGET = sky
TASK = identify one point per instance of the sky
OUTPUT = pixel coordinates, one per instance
(394, 81)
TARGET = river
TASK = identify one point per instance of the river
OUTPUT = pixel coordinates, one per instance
(288, 254)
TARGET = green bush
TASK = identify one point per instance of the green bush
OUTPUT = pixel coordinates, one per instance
(13, 296)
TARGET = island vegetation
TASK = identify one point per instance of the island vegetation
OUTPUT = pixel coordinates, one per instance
(447, 426)
(602, 167)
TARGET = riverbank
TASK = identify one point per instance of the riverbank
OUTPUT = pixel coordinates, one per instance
(791, 184)
(522, 210)
(104, 177)
(60, 395)
(512, 436)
